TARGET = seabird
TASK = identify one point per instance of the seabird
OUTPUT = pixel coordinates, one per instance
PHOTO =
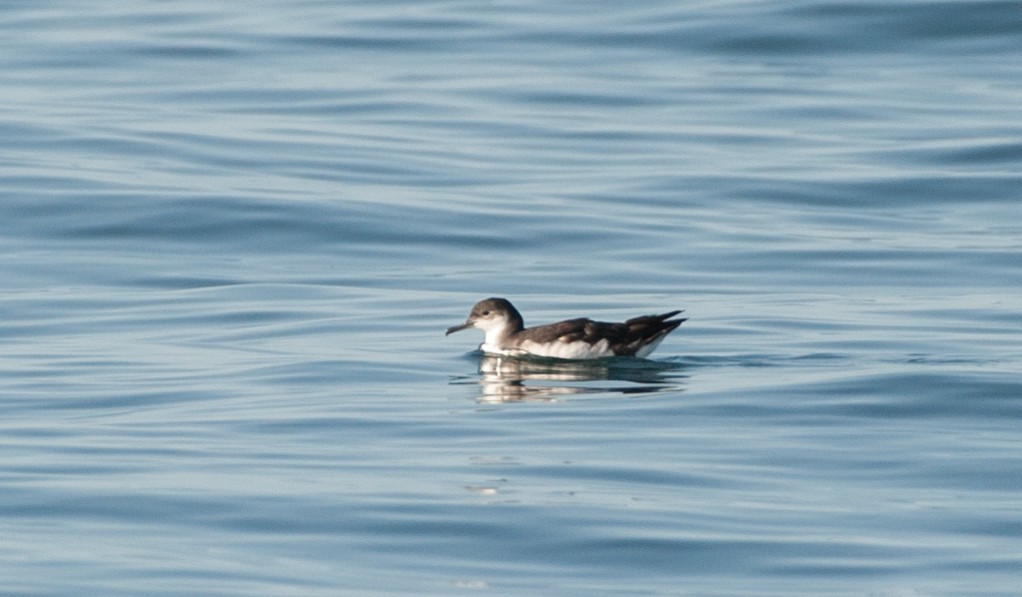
(506, 334)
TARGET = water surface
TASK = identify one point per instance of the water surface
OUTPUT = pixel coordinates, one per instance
(232, 240)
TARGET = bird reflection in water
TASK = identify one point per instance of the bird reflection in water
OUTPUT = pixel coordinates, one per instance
(503, 379)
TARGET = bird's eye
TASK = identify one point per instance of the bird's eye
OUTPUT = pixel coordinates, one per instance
(486, 313)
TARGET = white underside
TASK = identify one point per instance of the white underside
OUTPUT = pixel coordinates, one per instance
(647, 349)
(556, 350)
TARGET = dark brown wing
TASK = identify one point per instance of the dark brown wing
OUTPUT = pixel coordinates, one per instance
(565, 331)
(625, 339)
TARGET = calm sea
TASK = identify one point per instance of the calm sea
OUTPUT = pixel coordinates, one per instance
(232, 235)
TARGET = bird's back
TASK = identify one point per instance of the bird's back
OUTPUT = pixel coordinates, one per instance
(584, 338)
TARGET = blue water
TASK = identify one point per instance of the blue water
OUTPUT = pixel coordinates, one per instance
(232, 237)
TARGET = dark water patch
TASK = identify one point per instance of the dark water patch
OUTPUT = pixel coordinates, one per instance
(960, 394)
(172, 281)
(881, 193)
(940, 20)
(184, 52)
(872, 28)
(124, 507)
(369, 43)
(802, 29)
(583, 475)
(988, 155)
(199, 224)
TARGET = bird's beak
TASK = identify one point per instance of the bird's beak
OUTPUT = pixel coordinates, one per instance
(458, 328)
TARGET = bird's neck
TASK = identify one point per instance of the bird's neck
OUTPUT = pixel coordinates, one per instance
(498, 336)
